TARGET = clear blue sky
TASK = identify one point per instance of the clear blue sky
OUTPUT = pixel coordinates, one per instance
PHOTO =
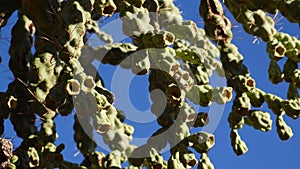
(266, 150)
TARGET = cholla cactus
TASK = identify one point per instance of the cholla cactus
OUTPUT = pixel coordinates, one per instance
(58, 77)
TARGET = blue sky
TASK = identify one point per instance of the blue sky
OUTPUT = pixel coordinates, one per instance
(266, 150)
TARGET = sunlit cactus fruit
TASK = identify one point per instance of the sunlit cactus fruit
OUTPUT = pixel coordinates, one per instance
(164, 60)
(114, 159)
(104, 8)
(55, 73)
(204, 162)
(241, 104)
(274, 72)
(236, 120)
(276, 49)
(202, 142)
(155, 160)
(292, 92)
(33, 156)
(238, 145)
(101, 122)
(134, 25)
(200, 73)
(201, 120)
(163, 39)
(200, 94)
(256, 97)
(169, 13)
(284, 131)
(290, 43)
(186, 157)
(222, 95)
(274, 103)
(288, 70)
(174, 161)
(88, 84)
(73, 87)
(291, 107)
(259, 120)
(140, 62)
(184, 30)
(296, 78)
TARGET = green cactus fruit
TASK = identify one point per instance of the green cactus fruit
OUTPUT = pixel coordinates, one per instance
(259, 120)
(296, 78)
(115, 54)
(137, 157)
(236, 120)
(108, 95)
(274, 103)
(291, 107)
(82, 137)
(104, 8)
(221, 95)
(57, 96)
(93, 27)
(101, 122)
(88, 84)
(140, 62)
(114, 159)
(48, 128)
(274, 72)
(200, 73)
(264, 26)
(284, 131)
(184, 112)
(7, 103)
(200, 94)
(33, 156)
(174, 162)
(191, 54)
(155, 160)
(73, 87)
(256, 97)
(204, 162)
(201, 120)
(180, 131)
(186, 157)
(67, 107)
(136, 24)
(202, 142)
(275, 49)
(183, 79)
(292, 92)
(288, 70)
(166, 119)
(163, 39)
(241, 104)
(163, 59)
(238, 145)
(184, 30)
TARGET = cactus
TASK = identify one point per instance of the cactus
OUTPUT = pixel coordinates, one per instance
(58, 78)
